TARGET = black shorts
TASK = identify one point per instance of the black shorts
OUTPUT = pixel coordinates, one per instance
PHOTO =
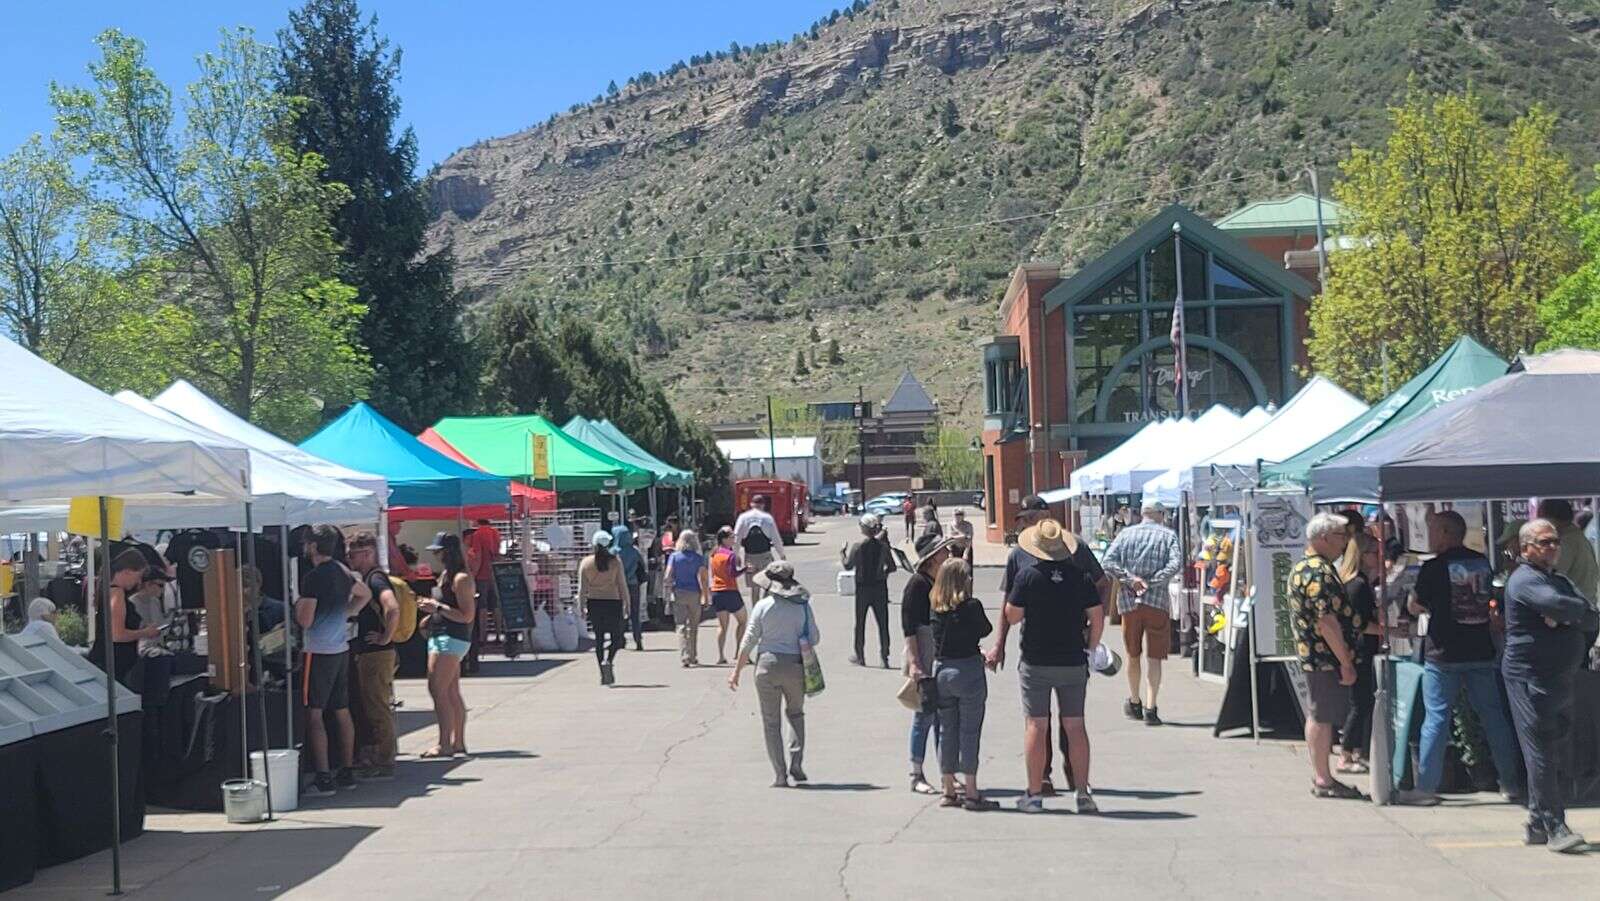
(326, 684)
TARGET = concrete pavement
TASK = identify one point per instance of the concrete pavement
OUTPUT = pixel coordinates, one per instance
(658, 788)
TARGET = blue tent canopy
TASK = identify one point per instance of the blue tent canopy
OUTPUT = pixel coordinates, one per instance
(601, 434)
(418, 475)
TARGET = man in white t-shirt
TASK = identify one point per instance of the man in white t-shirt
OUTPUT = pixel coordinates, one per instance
(757, 535)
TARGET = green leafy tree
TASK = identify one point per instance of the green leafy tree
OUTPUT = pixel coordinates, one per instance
(1570, 314)
(225, 229)
(342, 74)
(54, 275)
(948, 456)
(1455, 228)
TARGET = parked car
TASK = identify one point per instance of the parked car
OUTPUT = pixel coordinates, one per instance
(826, 503)
(886, 504)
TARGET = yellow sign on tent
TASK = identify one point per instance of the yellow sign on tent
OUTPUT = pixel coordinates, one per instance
(83, 517)
(541, 457)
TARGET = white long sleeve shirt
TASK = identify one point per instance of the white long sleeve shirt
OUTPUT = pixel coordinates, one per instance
(752, 518)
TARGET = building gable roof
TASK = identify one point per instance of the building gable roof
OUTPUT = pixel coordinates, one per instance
(909, 397)
(1195, 230)
(1297, 212)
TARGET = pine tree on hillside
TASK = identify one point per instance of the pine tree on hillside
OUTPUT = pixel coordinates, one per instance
(346, 73)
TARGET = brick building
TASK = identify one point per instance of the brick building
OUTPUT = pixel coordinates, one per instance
(1083, 360)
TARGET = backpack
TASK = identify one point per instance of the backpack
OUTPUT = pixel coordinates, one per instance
(407, 600)
(756, 541)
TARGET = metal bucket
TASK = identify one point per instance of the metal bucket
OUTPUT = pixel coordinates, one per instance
(244, 800)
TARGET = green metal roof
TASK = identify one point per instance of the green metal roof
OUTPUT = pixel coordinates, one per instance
(1297, 212)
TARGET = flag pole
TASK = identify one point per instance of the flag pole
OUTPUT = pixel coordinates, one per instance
(1180, 352)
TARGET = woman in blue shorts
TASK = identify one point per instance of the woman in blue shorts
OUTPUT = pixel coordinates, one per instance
(450, 613)
(726, 598)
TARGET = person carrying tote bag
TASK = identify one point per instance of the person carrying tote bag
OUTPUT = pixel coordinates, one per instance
(782, 634)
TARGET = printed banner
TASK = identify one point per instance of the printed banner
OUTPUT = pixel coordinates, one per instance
(1277, 542)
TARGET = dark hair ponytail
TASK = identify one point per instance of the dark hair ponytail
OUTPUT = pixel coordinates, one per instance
(602, 558)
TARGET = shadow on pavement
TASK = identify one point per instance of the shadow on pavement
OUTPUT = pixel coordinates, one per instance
(840, 787)
(640, 685)
(412, 779)
(1143, 794)
(1144, 815)
(500, 669)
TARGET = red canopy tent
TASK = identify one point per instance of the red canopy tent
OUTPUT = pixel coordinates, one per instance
(524, 499)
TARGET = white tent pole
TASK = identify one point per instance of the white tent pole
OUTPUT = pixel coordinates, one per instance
(383, 537)
(289, 591)
(103, 592)
(1245, 532)
(260, 667)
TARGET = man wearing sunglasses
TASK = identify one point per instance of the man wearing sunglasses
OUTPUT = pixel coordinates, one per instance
(1546, 618)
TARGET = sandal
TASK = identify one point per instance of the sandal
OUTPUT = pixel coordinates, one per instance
(920, 785)
(950, 801)
(461, 752)
(1353, 768)
(980, 804)
(434, 753)
(1337, 790)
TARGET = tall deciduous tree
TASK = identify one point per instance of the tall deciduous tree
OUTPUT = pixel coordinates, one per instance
(1455, 228)
(1571, 313)
(226, 230)
(53, 284)
(947, 455)
(343, 74)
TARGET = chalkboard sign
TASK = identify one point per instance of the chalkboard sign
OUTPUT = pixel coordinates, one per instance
(516, 610)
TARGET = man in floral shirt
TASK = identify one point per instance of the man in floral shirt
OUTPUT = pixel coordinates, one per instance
(1327, 627)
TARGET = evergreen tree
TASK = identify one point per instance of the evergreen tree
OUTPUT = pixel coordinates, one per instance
(345, 72)
(800, 362)
(834, 356)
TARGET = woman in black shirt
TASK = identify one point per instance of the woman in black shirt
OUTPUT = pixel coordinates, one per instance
(127, 628)
(1357, 731)
(958, 624)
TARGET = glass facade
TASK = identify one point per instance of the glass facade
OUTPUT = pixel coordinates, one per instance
(1122, 356)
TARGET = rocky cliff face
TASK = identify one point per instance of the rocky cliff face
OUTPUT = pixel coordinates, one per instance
(874, 183)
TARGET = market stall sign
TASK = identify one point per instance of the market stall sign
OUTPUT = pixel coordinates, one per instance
(83, 516)
(541, 457)
(516, 609)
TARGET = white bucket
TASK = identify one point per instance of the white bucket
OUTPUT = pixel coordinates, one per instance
(284, 767)
(244, 801)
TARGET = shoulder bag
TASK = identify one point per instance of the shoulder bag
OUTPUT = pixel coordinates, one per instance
(814, 683)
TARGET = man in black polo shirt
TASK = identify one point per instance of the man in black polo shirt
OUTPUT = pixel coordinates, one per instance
(1033, 511)
(1056, 600)
(1459, 653)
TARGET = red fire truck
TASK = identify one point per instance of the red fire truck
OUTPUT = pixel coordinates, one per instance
(791, 503)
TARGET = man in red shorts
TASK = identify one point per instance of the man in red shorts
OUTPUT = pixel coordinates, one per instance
(1144, 558)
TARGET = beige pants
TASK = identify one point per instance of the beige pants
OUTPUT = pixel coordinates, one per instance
(375, 680)
(780, 687)
(686, 613)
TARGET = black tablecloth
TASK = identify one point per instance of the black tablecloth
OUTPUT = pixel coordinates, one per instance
(191, 741)
(55, 796)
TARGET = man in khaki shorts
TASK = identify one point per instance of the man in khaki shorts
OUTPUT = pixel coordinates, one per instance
(757, 534)
(1144, 558)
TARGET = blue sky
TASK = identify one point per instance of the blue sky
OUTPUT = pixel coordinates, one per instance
(471, 68)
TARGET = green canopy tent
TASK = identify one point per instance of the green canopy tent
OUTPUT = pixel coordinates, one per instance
(606, 437)
(1459, 370)
(503, 445)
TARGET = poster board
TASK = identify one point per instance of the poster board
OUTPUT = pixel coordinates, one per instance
(1277, 536)
(516, 609)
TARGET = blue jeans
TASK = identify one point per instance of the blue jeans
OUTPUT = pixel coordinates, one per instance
(1441, 684)
(963, 695)
(922, 726)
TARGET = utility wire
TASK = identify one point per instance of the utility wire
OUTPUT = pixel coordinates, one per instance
(931, 230)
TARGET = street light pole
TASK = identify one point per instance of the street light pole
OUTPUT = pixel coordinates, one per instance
(772, 439)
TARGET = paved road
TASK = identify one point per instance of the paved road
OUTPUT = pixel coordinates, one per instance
(658, 788)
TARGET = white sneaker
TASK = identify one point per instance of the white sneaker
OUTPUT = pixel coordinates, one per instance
(1030, 804)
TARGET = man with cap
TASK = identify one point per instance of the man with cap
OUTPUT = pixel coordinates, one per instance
(1033, 511)
(759, 541)
(1060, 606)
(872, 560)
(916, 621)
(1144, 558)
(1546, 621)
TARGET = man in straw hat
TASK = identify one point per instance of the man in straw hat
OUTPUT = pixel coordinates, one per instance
(872, 560)
(916, 621)
(1055, 599)
(1033, 511)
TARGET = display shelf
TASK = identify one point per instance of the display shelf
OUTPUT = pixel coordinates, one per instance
(46, 686)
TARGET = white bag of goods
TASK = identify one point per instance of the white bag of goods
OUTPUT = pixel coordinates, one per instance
(543, 636)
(567, 629)
(847, 582)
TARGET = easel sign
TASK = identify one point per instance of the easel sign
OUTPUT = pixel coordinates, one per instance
(516, 608)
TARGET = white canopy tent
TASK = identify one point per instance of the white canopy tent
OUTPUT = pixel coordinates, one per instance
(1318, 410)
(1094, 478)
(1169, 486)
(196, 407)
(281, 494)
(1160, 456)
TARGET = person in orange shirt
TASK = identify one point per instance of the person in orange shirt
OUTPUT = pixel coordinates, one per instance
(483, 549)
(726, 599)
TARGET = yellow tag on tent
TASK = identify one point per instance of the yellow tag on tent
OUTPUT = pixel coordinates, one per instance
(7, 579)
(541, 457)
(83, 517)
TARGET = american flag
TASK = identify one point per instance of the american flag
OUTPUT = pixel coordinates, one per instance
(1180, 356)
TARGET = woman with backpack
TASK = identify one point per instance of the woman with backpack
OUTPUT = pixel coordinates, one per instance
(726, 598)
(781, 622)
(602, 597)
(959, 623)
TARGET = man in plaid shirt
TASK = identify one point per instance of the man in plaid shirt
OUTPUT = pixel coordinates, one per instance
(1144, 558)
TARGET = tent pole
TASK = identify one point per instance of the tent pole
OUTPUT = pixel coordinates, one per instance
(383, 538)
(1383, 774)
(255, 653)
(102, 591)
(289, 591)
(1245, 531)
(243, 665)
